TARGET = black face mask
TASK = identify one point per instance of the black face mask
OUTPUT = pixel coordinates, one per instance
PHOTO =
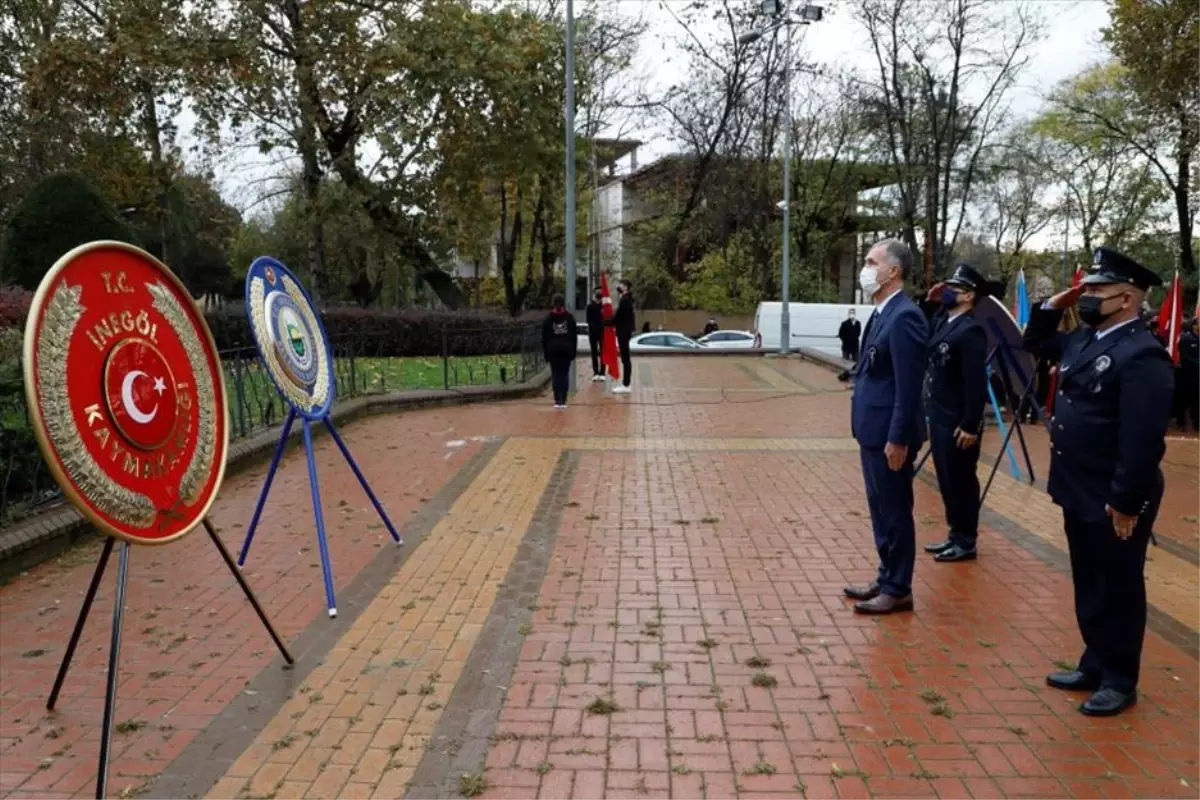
(1091, 311)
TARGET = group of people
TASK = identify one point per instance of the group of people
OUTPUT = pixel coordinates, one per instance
(922, 372)
(560, 340)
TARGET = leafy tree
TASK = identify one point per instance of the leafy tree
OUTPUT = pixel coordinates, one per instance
(1159, 45)
(59, 213)
(1111, 187)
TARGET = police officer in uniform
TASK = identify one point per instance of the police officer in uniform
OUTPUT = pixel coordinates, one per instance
(955, 391)
(1107, 437)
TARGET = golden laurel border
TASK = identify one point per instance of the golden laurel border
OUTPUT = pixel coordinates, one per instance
(62, 315)
(198, 469)
(59, 321)
(292, 393)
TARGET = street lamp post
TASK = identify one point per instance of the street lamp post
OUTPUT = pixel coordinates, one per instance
(569, 113)
(808, 14)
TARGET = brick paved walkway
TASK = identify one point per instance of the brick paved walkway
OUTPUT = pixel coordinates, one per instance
(637, 597)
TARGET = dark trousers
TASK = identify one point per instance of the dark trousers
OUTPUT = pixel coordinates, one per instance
(560, 381)
(626, 361)
(597, 360)
(850, 351)
(958, 482)
(1110, 594)
(890, 499)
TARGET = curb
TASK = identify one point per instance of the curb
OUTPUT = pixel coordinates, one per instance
(43, 536)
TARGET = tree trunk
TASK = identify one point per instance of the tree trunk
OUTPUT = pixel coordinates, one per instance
(1187, 260)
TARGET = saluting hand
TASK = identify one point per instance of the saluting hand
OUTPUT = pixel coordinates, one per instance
(1123, 524)
(1068, 298)
(935, 291)
(964, 440)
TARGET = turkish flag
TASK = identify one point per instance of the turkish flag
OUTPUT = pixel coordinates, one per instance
(1170, 318)
(1078, 279)
(608, 343)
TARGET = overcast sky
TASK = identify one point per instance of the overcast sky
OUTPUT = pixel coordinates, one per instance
(1071, 42)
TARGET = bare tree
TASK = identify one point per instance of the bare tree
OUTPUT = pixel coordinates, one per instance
(704, 109)
(1015, 194)
(939, 99)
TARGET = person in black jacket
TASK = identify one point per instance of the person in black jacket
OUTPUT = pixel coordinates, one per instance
(1107, 439)
(1189, 375)
(595, 323)
(849, 332)
(624, 323)
(954, 393)
(560, 344)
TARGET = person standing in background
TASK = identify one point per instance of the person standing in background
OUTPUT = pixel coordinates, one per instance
(887, 422)
(850, 332)
(560, 345)
(1107, 439)
(595, 324)
(1189, 374)
(623, 322)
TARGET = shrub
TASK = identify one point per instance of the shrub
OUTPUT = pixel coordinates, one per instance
(61, 212)
(14, 306)
(408, 332)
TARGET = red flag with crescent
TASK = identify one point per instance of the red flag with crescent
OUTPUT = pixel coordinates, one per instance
(608, 343)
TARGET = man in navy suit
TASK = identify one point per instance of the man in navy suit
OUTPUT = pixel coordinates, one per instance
(1107, 442)
(887, 420)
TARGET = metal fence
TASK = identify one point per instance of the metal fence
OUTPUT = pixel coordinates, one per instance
(468, 357)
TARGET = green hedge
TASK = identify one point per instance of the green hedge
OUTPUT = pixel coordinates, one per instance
(411, 332)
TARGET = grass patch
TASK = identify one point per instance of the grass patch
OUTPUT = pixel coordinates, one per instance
(758, 662)
(764, 681)
(762, 768)
(130, 725)
(602, 705)
(472, 785)
(932, 696)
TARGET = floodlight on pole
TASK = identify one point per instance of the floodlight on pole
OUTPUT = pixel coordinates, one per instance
(808, 14)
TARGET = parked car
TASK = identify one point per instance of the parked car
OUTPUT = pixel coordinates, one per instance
(728, 340)
(661, 341)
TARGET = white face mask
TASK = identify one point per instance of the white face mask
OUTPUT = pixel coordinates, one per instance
(868, 279)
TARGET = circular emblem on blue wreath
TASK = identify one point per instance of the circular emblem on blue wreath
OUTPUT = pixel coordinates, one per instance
(291, 339)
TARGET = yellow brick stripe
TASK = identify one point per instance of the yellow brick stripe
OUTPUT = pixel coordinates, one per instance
(359, 725)
(775, 379)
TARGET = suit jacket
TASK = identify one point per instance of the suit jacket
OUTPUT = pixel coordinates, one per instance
(1111, 410)
(956, 372)
(886, 405)
(850, 331)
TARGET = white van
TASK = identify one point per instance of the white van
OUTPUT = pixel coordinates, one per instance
(813, 325)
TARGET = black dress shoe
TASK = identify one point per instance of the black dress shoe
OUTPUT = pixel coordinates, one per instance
(1108, 703)
(1075, 681)
(956, 552)
(884, 604)
(938, 547)
(869, 592)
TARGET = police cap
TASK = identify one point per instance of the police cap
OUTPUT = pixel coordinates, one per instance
(1109, 266)
(967, 277)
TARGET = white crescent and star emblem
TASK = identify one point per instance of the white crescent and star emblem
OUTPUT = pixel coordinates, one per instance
(130, 404)
(141, 393)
